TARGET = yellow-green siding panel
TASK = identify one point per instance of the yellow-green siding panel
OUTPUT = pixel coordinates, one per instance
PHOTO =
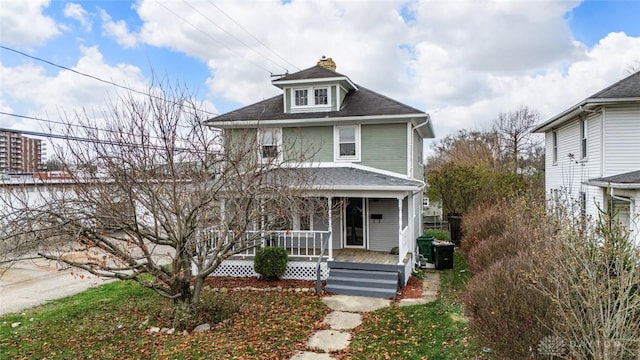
(312, 143)
(384, 147)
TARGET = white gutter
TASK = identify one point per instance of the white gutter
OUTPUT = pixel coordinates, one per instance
(311, 121)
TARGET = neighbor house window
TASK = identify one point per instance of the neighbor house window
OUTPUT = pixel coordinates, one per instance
(554, 139)
(301, 97)
(270, 142)
(311, 97)
(347, 142)
(583, 139)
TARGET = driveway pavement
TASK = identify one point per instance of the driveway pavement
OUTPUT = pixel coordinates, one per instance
(35, 281)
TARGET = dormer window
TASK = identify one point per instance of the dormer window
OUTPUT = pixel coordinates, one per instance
(301, 97)
(321, 96)
(314, 98)
(270, 144)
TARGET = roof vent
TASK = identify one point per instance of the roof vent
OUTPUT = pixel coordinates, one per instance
(327, 63)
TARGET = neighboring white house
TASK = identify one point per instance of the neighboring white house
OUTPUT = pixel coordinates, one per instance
(593, 152)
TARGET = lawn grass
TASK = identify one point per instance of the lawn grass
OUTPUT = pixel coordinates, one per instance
(112, 322)
(436, 330)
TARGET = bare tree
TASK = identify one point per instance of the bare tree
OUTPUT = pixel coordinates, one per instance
(514, 131)
(162, 196)
(466, 148)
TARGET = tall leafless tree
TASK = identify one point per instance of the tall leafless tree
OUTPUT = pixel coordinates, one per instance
(161, 197)
(514, 131)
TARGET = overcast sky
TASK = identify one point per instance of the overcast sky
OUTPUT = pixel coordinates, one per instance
(463, 62)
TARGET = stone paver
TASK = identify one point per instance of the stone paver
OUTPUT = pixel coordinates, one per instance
(340, 320)
(308, 355)
(329, 340)
(355, 303)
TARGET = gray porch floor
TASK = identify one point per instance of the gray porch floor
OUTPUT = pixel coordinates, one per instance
(366, 256)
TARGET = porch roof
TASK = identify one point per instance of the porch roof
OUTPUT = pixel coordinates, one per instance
(350, 178)
(629, 180)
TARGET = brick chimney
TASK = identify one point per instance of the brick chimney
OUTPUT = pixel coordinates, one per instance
(327, 63)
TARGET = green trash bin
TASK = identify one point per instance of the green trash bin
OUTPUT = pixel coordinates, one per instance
(425, 247)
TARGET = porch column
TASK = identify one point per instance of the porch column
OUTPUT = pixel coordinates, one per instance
(330, 244)
(400, 248)
(262, 225)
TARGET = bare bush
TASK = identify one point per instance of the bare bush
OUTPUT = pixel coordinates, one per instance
(507, 315)
(593, 278)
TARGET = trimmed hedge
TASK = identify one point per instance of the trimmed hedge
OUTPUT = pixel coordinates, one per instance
(271, 262)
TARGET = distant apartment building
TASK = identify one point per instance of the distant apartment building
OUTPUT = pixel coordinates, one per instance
(19, 153)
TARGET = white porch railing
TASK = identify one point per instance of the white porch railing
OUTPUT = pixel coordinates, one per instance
(403, 248)
(301, 243)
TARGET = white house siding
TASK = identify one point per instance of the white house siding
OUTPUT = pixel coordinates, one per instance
(622, 139)
(570, 172)
(383, 233)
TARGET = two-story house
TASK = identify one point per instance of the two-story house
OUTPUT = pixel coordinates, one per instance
(593, 153)
(365, 156)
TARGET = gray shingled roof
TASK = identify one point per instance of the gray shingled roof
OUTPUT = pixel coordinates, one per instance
(314, 72)
(628, 87)
(346, 177)
(362, 102)
(632, 177)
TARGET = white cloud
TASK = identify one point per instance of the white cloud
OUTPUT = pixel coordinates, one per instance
(118, 30)
(77, 12)
(23, 24)
(37, 94)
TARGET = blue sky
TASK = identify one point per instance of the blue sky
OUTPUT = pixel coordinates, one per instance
(463, 62)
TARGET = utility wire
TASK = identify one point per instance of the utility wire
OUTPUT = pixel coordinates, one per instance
(250, 34)
(68, 124)
(88, 140)
(96, 78)
(214, 39)
(234, 37)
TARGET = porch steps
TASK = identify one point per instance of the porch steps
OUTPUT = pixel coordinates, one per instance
(373, 280)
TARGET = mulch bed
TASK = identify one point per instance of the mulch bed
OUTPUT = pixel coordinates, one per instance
(412, 290)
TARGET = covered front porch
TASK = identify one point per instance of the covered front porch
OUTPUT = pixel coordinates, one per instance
(367, 222)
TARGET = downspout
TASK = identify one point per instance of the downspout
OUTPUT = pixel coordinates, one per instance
(424, 123)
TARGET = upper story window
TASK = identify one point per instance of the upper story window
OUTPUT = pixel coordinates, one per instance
(583, 139)
(347, 143)
(301, 97)
(554, 139)
(321, 96)
(270, 144)
(311, 97)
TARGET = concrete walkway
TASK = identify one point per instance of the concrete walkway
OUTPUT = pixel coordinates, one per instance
(33, 282)
(346, 315)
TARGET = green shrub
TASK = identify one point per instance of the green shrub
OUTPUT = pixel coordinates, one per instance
(270, 262)
(438, 234)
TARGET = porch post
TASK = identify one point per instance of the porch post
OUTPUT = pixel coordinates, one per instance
(400, 249)
(330, 244)
(262, 225)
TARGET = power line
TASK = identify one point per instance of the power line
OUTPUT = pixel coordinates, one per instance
(234, 37)
(89, 140)
(214, 39)
(96, 78)
(68, 124)
(250, 34)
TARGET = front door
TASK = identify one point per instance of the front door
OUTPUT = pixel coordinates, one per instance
(354, 221)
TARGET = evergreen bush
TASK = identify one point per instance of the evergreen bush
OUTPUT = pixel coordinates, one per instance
(271, 262)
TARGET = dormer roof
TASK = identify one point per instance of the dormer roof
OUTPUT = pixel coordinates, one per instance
(315, 74)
